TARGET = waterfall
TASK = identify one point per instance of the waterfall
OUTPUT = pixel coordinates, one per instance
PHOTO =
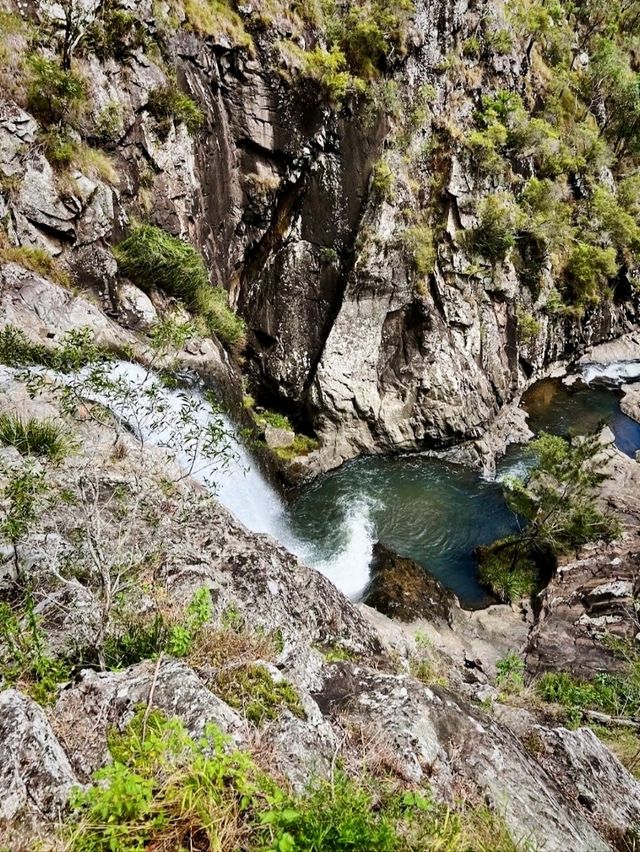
(178, 418)
(611, 375)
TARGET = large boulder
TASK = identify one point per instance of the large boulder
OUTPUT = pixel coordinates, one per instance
(436, 737)
(402, 589)
(35, 773)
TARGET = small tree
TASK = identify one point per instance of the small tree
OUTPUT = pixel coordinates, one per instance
(70, 18)
(558, 499)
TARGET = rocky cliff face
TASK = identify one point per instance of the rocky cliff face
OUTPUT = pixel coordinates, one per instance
(123, 542)
(341, 231)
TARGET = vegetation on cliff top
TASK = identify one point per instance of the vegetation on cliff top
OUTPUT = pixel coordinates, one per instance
(168, 790)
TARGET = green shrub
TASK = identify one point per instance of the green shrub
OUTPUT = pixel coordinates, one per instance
(495, 233)
(328, 69)
(472, 48)
(500, 41)
(616, 695)
(58, 147)
(275, 419)
(589, 270)
(54, 96)
(115, 34)
(166, 104)
(151, 257)
(302, 446)
(419, 241)
(24, 663)
(508, 569)
(252, 690)
(528, 328)
(140, 638)
(34, 437)
(383, 180)
(109, 126)
(510, 673)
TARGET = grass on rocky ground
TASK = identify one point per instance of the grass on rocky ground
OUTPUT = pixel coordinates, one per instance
(166, 790)
(34, 437)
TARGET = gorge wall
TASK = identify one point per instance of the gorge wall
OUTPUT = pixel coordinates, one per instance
(346, 222)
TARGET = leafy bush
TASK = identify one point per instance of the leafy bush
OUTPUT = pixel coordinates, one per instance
(589, 270)
(115, 34)
(76, 350)
(21, 501)
(151, 257)
(34, 437)
(617, 695)
(108, 124)
(559, 500)
(500, 41)
(510, 673)
(494, 235)
(252, 690)
(420, 243)
(383, 180)
(54, 96)
(328, 69)
(166, 104)
(528, 328)
(145, 637)
(472, 48)
(508, 569)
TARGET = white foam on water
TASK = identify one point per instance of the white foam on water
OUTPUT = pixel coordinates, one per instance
(234, 477)
(615, 374)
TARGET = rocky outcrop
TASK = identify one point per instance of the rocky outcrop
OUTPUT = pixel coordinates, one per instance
(432, 734)
(402, 589)
(35, 774)
(594, 593)
(123, 511)
(277, 191)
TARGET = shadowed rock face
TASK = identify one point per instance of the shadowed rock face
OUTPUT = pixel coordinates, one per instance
(276, 191)
(402, 589)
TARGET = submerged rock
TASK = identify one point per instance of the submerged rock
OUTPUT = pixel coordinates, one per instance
(402, 589)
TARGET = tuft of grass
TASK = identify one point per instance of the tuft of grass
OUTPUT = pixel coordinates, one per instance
(251, 689)
(152, 257)
(215, 18)
(33, 437)
(36, 260)
(95, 164)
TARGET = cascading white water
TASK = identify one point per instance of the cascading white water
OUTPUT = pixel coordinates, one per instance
(234, 476)
(611, 375)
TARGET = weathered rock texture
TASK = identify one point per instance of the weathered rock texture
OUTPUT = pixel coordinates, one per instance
(276, 191)
(177, 541)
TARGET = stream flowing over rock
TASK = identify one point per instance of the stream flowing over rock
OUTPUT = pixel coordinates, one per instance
(358, 228)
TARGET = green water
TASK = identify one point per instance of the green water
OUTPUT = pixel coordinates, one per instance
(431, 511)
